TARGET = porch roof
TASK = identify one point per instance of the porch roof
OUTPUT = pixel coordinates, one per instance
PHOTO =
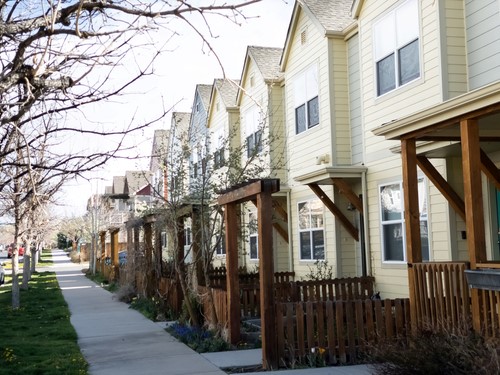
(442, 122)
(325, 175)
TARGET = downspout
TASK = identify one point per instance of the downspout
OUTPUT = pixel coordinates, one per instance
(365, 246)
(290, 247)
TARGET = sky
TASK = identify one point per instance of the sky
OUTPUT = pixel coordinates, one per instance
(185, 64)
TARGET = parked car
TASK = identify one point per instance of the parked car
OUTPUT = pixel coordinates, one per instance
(10, 251)
(2, 274)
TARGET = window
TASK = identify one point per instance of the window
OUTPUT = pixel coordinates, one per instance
(220, 245)
(188, 236)
(306, 100)
(311, 231)
(253, 131)
(253, 235)
(163, 240)
(396, 43)
(217, 143)
(392, 222)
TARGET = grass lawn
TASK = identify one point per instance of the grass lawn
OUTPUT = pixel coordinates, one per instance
(38, 338)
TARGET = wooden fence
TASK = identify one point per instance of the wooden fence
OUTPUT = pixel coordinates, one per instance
(442, 296)
(334, 332)
(489, 305)
(220, 303)
(348, 288)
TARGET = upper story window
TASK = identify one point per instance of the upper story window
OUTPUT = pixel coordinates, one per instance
(311, 230)
(217, 144)
(392, 221)
(253, 235)
(306, 101)
(253, 132)
(396, 44)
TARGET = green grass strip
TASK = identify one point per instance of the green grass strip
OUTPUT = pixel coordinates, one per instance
(38, 338)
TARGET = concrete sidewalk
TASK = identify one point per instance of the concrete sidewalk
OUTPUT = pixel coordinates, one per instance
(117, 340)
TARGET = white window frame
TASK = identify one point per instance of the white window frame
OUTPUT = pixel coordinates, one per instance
(217, 144)
(305, 90)
(311, 229)
(253, 131)
(253, 234)
(396, 30)
(398, 203)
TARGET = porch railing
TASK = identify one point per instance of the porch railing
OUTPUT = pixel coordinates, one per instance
(442, 296)
(334, 332)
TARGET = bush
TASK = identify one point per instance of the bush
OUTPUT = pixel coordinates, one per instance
(198, 339)
(149, 307)
(437, 353)
(126, 293)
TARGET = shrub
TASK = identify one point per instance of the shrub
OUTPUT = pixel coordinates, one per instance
(126, 293)
(321, 271)
(442, 353)
(149, 307)
(198, 339)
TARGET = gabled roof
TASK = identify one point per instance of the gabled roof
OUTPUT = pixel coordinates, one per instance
(159, 149)
(204, 92)
(227, 89)
(331, 17)
(267, 60)
(135, 181)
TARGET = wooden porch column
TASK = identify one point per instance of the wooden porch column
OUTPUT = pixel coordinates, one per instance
(102, 240)
(196, 222)
(114, 251)
(266, 270)
(232, 280)
(148, 256)
(412, 219)
(179, 254)
(473, 199)
(130, 256)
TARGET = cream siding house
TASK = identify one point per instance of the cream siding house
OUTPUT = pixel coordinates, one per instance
(260, 100)
(439, 52)
(319, 135)
(223, 133)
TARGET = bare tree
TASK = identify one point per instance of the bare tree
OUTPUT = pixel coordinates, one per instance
(58, 57)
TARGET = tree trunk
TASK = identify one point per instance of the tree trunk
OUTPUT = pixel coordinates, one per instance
(16, 295)
(26, 267)
(185, 291)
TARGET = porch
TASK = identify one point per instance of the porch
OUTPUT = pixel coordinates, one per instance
(465, 128)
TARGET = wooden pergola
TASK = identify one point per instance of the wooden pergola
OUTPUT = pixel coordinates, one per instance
(260, 192)
(466, 126)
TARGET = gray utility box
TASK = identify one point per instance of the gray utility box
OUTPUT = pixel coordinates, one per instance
(488, 279)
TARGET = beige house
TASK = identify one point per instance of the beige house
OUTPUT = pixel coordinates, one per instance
(324, 146)
(260, 101)
(223, 137)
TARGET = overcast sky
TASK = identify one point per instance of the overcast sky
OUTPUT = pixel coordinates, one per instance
(178, 71)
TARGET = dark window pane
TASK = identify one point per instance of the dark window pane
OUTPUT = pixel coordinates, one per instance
(300, 119)
(409, 66)
(386, 76)
(258, 141)
(318, 244)
(305, 245)
(313, 112)
(393, 242)
(424, 238)
(254, 253)
(250, 145)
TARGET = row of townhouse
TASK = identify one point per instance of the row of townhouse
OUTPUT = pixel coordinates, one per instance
(327, 113)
